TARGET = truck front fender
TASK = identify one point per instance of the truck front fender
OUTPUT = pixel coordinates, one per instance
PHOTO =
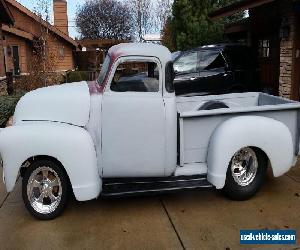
(269, 135)
(72, 146)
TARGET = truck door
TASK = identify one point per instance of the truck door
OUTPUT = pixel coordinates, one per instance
(133, 120)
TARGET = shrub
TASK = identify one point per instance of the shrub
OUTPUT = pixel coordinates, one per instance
(34, 81)
(7, 107)
(77, 76)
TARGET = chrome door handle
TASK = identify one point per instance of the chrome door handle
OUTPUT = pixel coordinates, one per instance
(193, 78)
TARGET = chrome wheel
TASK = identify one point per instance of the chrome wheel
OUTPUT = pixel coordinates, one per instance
(44, 190)
(244, 166)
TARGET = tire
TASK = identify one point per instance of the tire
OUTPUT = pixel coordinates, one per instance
(45, 189)
(210, 105)
(238, 188)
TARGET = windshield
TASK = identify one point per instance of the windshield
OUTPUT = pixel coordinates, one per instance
(104, 69)
(187, 63)
(211, 59)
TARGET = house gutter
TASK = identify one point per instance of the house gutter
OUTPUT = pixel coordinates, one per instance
(237, 7)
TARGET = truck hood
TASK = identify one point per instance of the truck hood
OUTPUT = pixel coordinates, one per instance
(66, 103)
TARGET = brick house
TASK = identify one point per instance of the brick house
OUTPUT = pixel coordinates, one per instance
(18, 39)
(273, 30)
(7, 19)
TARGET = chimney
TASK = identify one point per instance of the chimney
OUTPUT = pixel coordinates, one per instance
(61, 15)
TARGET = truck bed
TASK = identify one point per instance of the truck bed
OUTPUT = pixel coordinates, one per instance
(192, 121)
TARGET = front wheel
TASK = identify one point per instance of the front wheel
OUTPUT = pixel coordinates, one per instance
(245, 174)
(45, 189)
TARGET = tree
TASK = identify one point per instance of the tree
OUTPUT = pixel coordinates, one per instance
(163, 12)
(42, 9)
(167, 36)
(104, 19)
(143, 17)
(191, 26)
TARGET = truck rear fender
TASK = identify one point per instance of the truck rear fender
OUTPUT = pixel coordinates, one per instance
(269, 135)
(72, 146)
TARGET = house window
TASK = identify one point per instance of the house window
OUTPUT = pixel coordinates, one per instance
(61, 52)
(16, 60)
(264, 48)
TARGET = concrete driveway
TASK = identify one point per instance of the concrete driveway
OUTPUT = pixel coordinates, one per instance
(185, 220)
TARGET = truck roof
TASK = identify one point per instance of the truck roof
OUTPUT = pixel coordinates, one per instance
(141, 49)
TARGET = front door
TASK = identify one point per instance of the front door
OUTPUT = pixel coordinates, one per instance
(269, 63)
(16, 59)
(133, 121)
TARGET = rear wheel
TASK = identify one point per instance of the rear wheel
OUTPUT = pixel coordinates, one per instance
(245, 174)
(45, 189)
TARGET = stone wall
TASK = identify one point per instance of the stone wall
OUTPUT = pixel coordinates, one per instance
(286, 52)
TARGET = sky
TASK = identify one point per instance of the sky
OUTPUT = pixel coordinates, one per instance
(72, 7)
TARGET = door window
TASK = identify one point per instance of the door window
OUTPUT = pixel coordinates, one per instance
(186, 63)
(136, 76)
(264, 48)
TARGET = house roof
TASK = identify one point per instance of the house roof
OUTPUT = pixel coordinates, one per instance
(237, 7)
(239, 26)
(17, 32)
(99, 43)
(6, 16)
(29, 13)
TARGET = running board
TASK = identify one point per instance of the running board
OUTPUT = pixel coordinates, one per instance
(135, 186)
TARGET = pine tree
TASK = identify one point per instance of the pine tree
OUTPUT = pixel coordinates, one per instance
(190, 24)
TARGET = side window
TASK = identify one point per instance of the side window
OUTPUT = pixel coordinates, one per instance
(135, 76)
(211, 59)
(187, 63)
(170, 77)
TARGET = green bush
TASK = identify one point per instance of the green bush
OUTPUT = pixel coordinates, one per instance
(77, 76)
(7, 107)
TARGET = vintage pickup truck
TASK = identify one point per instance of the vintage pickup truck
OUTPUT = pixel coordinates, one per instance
(128, 133)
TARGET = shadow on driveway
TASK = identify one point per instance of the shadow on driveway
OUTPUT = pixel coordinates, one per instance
(189, 219)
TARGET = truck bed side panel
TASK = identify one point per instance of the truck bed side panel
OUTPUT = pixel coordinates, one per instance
(197, 131)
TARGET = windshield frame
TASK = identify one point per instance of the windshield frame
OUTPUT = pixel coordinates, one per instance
(104, 70)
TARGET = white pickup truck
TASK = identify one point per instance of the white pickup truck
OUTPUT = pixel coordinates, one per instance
(127, 133)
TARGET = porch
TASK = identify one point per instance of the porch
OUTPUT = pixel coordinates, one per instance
(273, 30)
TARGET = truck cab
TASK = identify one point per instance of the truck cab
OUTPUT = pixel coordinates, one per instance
(138, 97)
